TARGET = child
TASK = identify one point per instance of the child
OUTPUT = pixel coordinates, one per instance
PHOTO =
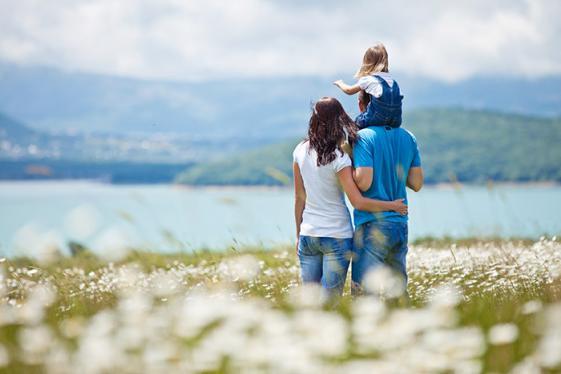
(384, 108)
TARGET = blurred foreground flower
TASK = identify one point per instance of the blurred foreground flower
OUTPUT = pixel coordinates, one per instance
(244, 268)
(549, 349)
(235, 313)
(44, 246)
(384, 282)
(505, 333)
(308, 295)
(112, 244)
(446, 296)
(82, 222)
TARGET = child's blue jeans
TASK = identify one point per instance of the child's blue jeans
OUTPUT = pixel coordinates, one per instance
(326, 261)
(385, 110)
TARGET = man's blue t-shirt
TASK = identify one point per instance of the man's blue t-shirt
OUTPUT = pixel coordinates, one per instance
(391, 152)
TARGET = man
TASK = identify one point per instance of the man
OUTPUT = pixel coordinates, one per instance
(386, 160)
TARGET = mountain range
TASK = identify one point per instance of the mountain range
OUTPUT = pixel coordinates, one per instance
(241, 131)
(255, 110)
(456, 145)
(26, 153)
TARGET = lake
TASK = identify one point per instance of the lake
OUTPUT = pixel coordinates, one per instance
(171, 218)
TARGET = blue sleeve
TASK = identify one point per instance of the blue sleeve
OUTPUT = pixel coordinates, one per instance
(416, 155)
(362, 152)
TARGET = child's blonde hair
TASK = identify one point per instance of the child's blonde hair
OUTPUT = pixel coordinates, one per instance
(375, 60)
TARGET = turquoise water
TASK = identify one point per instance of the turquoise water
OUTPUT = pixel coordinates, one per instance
(169, 218)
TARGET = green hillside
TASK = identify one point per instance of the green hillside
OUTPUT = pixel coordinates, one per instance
(271, 165)
(456, 144)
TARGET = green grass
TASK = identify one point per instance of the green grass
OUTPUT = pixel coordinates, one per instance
(498, 281)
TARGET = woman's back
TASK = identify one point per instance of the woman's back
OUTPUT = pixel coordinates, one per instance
(325, 213)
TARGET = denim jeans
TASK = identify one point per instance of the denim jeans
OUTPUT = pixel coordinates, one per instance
(385, 110)
(326, 261)
(376, 244)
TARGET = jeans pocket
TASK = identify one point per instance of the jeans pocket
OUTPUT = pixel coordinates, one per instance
(303, 245)
(310, 245)
(378, 234)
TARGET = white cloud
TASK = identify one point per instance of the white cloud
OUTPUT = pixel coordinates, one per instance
(176, 39)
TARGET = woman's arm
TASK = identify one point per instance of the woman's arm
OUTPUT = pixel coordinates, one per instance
(360, 202)
(349, 90)
(299, 199)
(363, 177)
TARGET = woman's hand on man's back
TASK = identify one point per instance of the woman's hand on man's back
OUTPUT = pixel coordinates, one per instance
(400, 207)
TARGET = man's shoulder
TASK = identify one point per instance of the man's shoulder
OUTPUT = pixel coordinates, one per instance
(367, 132)
(407, 133)
(370, 133)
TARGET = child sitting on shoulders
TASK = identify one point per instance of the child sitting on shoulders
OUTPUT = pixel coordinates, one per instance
(384, 108)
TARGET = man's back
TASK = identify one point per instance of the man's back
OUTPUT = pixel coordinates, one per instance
(391, 152)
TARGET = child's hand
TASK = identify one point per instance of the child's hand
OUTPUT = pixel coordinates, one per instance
(349, 90)
(339, 83)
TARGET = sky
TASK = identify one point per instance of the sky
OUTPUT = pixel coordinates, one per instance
(208, 40)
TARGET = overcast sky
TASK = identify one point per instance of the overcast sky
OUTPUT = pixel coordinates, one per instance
(182, 39)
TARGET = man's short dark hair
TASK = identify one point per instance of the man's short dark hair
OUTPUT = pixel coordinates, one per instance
(363, 97)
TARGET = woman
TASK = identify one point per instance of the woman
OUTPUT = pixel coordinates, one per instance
(321, 172)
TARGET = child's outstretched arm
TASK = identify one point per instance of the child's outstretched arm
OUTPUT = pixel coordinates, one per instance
(349, 90)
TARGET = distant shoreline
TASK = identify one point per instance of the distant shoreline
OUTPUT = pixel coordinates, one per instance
(551, 184)
(95, 181)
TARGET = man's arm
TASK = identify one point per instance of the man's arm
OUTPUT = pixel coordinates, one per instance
(363, 153)
(415, 178)
(363, 177)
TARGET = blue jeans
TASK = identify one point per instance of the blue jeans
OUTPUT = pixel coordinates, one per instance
(326, 261)
(385, 110)
(376, 244)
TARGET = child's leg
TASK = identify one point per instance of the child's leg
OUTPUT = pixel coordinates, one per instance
(360, 121)
(371, 116)
(379, 114)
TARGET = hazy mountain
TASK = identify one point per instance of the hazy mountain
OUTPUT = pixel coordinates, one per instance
(26, 153)
(259, 109)
(472, 146)
(20, 142)
(13, 129)
(465, 145)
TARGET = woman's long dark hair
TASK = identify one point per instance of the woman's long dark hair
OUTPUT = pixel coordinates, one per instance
(328, 124)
